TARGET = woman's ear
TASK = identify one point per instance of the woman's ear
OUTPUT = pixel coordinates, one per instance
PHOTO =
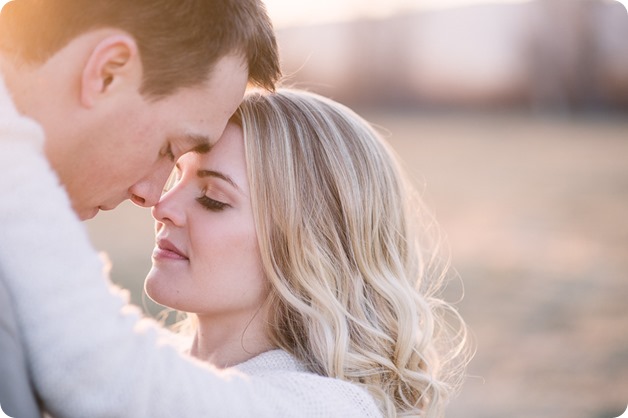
(114, 63)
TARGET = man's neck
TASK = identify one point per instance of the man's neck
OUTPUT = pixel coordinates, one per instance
(16, 75)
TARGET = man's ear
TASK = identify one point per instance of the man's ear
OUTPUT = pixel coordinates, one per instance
(113, 62)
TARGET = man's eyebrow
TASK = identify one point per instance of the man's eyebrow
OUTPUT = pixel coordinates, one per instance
(217, 174)
(201, 144)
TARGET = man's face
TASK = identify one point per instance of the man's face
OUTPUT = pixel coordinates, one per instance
(129, 149)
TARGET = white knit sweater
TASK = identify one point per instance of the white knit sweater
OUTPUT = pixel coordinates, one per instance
(92, 355)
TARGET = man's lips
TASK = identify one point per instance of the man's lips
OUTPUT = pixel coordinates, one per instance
(166, 249)
(112, 204)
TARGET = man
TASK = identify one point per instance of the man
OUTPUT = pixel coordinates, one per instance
(122, 89)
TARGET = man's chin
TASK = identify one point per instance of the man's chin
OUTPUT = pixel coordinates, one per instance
(87, 214)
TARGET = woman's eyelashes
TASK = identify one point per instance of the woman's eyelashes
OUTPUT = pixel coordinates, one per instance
(211, 204)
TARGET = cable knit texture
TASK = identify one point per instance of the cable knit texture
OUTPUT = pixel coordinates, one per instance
(91, 353)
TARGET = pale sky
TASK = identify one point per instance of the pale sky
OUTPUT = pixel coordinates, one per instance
(291, 12)
(295, 12)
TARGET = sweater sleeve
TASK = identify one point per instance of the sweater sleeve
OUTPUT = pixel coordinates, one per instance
(91, 353)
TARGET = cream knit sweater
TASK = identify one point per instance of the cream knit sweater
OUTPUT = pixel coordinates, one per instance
(92, 355)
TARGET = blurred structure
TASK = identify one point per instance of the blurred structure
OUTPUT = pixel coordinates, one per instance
(543, 55)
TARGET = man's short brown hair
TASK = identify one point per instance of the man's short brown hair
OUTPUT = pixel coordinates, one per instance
(179, 40)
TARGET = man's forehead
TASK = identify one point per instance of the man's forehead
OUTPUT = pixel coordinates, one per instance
(205, 109)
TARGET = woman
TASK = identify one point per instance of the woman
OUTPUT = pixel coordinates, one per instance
(293, 244)
(295, 232)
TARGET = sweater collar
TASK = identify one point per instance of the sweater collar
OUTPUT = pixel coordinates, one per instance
(271, 361)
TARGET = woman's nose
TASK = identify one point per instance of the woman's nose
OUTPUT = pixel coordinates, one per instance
(169, 208)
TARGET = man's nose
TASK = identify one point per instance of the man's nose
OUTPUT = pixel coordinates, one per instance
(147, 191)
(142, 201)
(145, 198)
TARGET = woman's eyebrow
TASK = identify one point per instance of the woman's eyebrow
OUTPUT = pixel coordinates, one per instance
(217, 174)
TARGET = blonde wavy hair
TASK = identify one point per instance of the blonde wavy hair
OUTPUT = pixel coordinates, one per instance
(355, 276)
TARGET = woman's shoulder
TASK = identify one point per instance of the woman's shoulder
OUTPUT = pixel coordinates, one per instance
(281, 374)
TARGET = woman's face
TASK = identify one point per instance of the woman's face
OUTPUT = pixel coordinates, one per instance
(206, 259)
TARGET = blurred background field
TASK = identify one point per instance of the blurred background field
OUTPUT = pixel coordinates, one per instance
(512, 118)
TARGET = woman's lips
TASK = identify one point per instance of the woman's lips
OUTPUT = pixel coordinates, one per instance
(166, 250)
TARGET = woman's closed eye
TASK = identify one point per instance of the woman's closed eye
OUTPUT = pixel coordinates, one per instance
(211, 204)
